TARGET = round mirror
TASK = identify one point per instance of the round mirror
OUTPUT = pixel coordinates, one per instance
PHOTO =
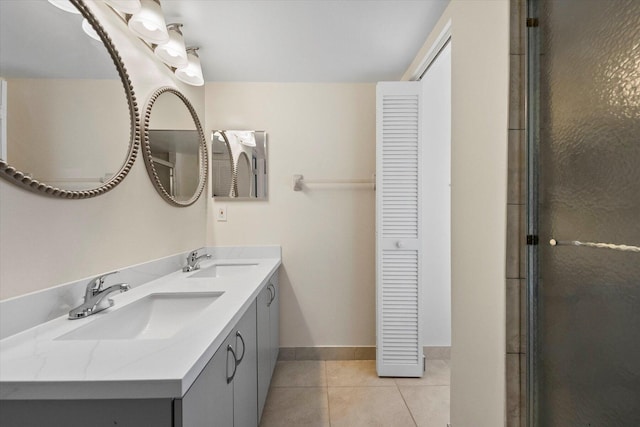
(175, 152)
(69, 121)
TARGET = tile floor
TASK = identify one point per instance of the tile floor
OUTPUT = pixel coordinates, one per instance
(349, 393)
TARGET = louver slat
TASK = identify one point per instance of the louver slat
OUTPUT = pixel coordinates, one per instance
(399, 346)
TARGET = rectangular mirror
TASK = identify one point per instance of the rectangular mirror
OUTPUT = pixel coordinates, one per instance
(3, 120)
(239, 164)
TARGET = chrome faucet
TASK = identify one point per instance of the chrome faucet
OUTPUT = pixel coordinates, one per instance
(95, 297)
(193, 261)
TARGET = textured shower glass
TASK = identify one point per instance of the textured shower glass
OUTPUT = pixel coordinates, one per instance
(587, 356)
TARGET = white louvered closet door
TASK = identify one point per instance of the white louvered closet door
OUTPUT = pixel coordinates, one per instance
(398, 230)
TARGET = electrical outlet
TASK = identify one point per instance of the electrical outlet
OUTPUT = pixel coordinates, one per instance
(221, 213)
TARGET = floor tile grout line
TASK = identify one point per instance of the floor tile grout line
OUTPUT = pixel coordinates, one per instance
(359, 385)
(423, 385)
(407, 406)
(296, 386)
(326, 380)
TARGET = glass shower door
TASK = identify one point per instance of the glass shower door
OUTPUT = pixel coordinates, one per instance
(584, 301)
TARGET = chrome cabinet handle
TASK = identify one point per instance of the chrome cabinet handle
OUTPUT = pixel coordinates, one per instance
(235, 364)
(239, 335)
(271, 296)
(274, 292)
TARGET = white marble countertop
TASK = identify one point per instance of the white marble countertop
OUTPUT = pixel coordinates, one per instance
(34, 365)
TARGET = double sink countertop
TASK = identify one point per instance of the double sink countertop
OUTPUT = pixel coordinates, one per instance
(58, 360)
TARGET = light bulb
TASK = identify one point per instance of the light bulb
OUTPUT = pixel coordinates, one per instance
(90, 31)
(192, 72)
(149, 24)
(173, 53)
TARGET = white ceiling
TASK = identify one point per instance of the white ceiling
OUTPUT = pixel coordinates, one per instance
(239, 40)
(38, 40)
(305, 40)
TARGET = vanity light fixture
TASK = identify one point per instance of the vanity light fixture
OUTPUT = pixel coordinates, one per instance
(149, 24)
(173, 53)
(125, 6)
(192, 72)
(90, 31)
(166, 41)
(65, 5)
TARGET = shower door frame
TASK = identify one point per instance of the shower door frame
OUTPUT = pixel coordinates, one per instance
(531, 93)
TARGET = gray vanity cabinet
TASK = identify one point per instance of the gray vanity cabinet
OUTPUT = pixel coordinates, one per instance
(209, 401)
(264, 348)
(268, 309)
(225, 392)
(245, 382)
(274, 322)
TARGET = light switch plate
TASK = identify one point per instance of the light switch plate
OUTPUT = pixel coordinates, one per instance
(221, 212)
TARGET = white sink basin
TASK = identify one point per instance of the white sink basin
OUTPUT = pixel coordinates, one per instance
(223, 270)
(155, 316)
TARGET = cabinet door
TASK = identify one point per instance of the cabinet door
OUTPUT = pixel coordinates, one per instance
(209, 401)
(274, 322)
(245, 383)
(264, 346)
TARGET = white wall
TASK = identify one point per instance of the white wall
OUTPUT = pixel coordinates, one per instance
(326, 233)
(46, 241)
(480, 80)
(436, 201)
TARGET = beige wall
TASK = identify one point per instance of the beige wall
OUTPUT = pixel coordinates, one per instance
(326, 233)
(480, 80)
(46, 241)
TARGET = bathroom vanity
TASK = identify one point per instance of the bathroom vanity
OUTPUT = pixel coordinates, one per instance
(186, 349)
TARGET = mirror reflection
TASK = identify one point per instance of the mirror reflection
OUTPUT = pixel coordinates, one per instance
(66, 118)
(239, 164)
(175, 149)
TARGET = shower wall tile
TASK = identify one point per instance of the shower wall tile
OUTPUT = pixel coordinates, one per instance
(522, 240)
(523, 316)
(513, 390)
(515, 283)
(516, 92)
(523, 390)
(513, 241)
(516, 316)
(513, 316)
(516, 167)
(517, 30)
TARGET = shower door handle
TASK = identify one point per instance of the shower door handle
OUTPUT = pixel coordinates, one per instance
(615, 247)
